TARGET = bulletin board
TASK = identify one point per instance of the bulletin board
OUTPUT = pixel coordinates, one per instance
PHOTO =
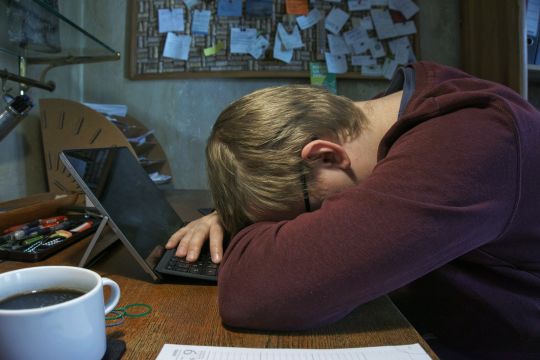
(146, 60)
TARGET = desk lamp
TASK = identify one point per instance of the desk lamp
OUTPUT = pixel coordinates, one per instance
(14, 112)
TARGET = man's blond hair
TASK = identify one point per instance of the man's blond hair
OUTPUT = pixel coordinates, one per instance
(254, 150)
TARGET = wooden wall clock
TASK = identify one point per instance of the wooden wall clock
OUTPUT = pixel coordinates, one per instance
(67, 124)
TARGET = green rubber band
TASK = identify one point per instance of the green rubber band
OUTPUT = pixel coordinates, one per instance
(116, 323)
(119, 313)
(144, 313)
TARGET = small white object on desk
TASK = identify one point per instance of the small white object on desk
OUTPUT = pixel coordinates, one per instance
(159, 179)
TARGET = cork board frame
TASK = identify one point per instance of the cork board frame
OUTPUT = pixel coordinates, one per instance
(145, 60)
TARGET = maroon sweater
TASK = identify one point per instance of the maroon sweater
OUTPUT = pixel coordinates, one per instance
(452, 210)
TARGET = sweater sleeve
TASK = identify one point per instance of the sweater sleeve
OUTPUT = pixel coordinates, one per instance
(446, 187)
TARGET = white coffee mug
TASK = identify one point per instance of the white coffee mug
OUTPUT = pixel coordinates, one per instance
(74, 329)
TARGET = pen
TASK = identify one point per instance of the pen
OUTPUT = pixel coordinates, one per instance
(84, 226)
(25, 233)
(32, 240)
(30, 232)
(40, 222)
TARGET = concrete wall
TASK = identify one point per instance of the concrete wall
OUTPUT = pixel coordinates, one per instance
(183, 111)
(22, 170)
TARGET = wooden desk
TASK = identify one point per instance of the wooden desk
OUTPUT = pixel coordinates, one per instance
(187, 313)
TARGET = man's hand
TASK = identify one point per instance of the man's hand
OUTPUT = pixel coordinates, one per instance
(192, 237)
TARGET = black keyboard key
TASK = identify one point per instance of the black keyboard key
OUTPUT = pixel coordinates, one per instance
(203, 266)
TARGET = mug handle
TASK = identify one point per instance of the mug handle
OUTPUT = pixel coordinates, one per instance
(115, 294)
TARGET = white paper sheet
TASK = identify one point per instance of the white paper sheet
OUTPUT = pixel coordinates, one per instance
(407, 7)
(312, 18)
(258, 47)
(384, 25)
(405, 28)
(372, 70)
(357, 39)
(335, 20)
(190, 352)
(200, 21)
(170, 20)
(291, 40)
(359, 60)
(337, 45)
(280, 53)
(177, 46)
(191, 3)
(241, 40)
(336, 64)
(359, 5)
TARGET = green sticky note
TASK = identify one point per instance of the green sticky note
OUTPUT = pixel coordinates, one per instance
(319, 76)
(214, 49)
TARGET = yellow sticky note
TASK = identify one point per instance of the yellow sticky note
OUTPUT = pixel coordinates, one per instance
(214, 49)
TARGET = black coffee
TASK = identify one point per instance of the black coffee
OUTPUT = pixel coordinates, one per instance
(38, 299)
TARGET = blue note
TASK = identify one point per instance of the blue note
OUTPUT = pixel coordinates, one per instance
(260, 7)
(230, 8)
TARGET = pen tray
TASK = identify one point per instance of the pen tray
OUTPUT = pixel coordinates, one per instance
(22, 211)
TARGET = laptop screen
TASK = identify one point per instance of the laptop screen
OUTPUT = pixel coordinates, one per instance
(127, 195)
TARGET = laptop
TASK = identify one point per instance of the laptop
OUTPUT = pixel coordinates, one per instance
(135, 209)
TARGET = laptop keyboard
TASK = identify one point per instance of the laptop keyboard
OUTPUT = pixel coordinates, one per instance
(203, 266)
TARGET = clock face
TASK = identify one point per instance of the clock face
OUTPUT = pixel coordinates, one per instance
(67, 124)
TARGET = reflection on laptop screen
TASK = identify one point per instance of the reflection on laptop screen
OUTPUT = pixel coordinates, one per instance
(128, 196)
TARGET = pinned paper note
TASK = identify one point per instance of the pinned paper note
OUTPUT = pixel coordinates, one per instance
(359, 60)
(191, 3)
(258, 47)
(366, 23)
(241, 40)
(357, 39)
(177, 46)
(404, 28)
(335, 20)
(296, 7)
(400, 48)
(260, 7)
(280, 53)
(170, 20)
(389, 68)
(384, 25)
(336, 64)
(359, 5)
(312, 18)
(214, 49)
(229, 8)
(337, 45)
(200, 22)
(376, 49)
(407, 7)
(371, 70)
(291, 40)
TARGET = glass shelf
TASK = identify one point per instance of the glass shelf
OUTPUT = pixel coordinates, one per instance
(36, 32)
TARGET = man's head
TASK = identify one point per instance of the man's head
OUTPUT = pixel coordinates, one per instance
(254, 153)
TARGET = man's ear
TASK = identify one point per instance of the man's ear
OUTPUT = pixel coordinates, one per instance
(327, 153)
